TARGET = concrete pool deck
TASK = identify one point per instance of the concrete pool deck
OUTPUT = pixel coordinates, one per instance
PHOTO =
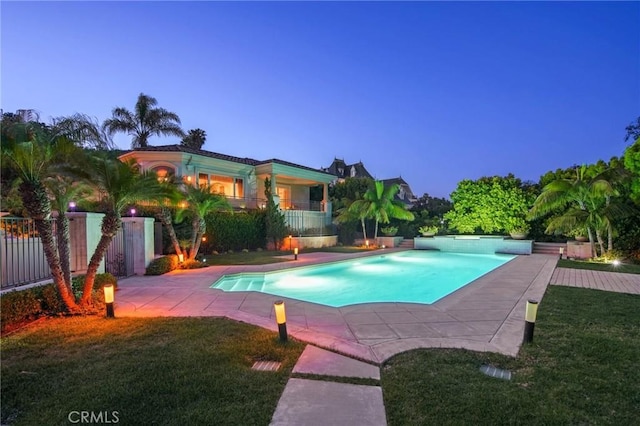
(486, 315)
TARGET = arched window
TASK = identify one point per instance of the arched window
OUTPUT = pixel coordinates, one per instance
(164, 172)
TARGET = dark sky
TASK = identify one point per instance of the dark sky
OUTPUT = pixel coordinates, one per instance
(433, 91)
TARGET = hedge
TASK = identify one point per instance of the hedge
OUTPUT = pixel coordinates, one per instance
(19, 306)
(162, 265)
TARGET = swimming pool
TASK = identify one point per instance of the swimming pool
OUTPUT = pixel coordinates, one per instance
(415, 276)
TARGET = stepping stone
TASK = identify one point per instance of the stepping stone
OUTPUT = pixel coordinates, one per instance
(326, 363)
(314, 402)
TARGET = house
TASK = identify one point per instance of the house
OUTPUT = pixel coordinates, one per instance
(341, 170)
(241, 180)
(404, 195)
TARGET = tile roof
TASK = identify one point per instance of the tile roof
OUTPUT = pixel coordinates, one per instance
(204, 153)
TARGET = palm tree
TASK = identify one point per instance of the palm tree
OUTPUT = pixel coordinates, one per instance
(379, 204)
(195, 138)
(200, 201)
(118, 184)
(35, 155)
(146, 121)
(585, 203)
(63, 190)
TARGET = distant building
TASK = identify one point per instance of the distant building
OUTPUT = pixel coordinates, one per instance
(342, 170)
(405, 194)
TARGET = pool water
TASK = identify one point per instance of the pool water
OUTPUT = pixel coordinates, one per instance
(416, 276)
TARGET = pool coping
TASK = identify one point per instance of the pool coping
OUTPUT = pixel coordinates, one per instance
(486, 315)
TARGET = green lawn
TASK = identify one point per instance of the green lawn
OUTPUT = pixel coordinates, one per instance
(150, 371)
(627, 268)
(582, 368)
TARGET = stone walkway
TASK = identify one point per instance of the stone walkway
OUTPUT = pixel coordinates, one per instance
(598, 280)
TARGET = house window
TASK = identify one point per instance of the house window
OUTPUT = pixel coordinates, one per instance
(203, 179)
(239, 188)
(353, 171)
(163, 172)
(222, 185)
(284, 193)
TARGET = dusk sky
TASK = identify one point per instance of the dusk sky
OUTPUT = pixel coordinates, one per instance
(433, 91)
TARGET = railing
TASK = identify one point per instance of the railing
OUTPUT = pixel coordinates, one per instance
(22, 257)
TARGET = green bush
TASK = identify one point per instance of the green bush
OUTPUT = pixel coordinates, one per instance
(193, 264)
(18, 306)
(162, 265)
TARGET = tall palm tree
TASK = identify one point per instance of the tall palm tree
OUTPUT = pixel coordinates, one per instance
(379, 204)
(194, 138)
(64, 189)
(147, 120)
(118, 184)
(201, 201)
(35, 156)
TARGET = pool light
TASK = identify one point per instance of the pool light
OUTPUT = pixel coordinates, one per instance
(530, 320)
(108, 299)
(281, 319)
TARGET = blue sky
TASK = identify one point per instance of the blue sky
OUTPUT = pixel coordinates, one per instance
(433, 91)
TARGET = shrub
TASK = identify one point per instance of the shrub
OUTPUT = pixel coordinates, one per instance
(162, 265)
(19, 306)
(192, 264)
(389, 231)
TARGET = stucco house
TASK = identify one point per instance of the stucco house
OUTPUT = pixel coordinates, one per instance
(241, 180)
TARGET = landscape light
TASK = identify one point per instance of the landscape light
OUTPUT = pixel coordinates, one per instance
(72, 206)
(295, 253)
(108, 299)
(530, 320)
(561, 252)
(616, 262)
(366, 243)
(181, 257)
(281, 319)
(133, 212)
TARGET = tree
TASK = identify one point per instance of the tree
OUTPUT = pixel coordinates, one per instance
(195, 138)
(584, 202)
(200, 202)
(119, 184)
(490, 204)
(147, 120)
(633, 131)
(383, 206)
(275, 222)
(35, 156)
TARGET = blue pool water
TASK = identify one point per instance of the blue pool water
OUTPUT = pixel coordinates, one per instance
(416, 276)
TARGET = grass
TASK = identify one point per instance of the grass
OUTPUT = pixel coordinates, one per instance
(627, 268)
(582, 368)
(149, 371)
(266, 257)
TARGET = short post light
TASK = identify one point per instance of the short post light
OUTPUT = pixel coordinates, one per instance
(181, 258)
(366, 243)
(108, 299)
(530, 320)
(295, 253)
(561, 252)
(281, 319)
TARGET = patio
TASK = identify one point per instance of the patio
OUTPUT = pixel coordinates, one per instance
(487, 315)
